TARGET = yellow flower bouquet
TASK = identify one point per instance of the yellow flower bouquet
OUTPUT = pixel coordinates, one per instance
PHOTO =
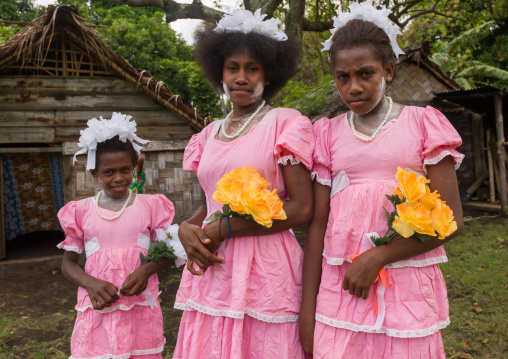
(243, 192)
(418, 212)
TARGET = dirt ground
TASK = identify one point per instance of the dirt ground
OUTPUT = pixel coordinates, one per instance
(45, 300)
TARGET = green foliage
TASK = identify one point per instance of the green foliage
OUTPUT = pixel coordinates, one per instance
(157, 252)
(14, 10)
(471, 45)
(164, 53)
(308, 99)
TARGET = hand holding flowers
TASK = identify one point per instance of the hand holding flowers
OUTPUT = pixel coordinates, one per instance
(419, 213)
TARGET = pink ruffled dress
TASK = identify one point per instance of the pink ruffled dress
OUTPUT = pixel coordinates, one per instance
(132, 327)
(247, 307)
(412, 311)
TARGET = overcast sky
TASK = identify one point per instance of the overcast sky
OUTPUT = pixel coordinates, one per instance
(184, 27)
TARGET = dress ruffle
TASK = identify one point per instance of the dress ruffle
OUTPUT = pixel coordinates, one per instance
(331, 343)
(253, 339)
(114, 265)
(120, 334)
(232, 289)
(416, 304)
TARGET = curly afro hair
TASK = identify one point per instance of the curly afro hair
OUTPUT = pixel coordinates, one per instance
(279, 58)
(116, 145)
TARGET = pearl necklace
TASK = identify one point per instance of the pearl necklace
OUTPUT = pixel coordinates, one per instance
(385, 120)
(244, 126)
(118, 215)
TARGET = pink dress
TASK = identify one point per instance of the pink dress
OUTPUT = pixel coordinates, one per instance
(132, 327)
(415, 308)
(247, 307)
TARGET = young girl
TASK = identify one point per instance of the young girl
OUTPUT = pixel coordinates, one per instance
(117, 311)
(246, 304)
(355, 161)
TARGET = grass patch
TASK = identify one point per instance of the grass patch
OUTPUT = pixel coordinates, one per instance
(477, 291)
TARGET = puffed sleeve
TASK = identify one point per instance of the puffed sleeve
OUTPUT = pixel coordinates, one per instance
(70, 220)
(440, 139)
(194, 149)
(321, 169)
(295, 140)
(192, 154)
(162, 212)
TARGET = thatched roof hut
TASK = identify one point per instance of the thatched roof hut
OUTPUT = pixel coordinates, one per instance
(56, 74)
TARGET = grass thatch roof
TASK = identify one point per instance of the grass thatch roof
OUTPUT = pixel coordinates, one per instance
(34, 40)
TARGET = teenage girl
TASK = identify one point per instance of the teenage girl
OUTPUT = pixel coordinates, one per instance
(344, 313)
(243, 301)
(117, 311)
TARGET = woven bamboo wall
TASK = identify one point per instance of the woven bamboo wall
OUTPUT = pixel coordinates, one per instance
(412, 83)
(164, 175)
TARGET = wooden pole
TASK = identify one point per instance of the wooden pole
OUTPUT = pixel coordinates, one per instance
(3, 253)
(492, 189)
(500, 150)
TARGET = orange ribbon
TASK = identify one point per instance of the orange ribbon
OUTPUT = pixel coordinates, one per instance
(382, 277)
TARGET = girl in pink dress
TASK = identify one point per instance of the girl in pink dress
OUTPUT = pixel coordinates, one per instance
(243, 302)
(355, 161)
(118, 315)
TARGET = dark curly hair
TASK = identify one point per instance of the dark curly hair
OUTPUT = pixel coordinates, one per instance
(279, 58)
(115, 145)
(359, 33)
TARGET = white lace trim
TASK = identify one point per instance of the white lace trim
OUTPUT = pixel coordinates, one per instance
(314, 176)
(410, 333)
(116, 307)
(127, 355)
(289, 158)
(69, 248)
(457, 157)
(400, 264)
(191, 305)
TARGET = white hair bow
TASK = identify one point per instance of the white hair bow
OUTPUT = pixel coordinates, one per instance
(366, 12)
(100, 130)
(245, 21)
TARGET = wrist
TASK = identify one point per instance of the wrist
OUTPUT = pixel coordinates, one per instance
(382, 255)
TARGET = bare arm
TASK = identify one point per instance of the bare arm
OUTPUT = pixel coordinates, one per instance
(101, 293)
(362, 273)
(141, 164)
(312, 260)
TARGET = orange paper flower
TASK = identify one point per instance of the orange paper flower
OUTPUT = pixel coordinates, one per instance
(442, 220)
(246, 193)
(413, 217)
(430, 199)
(411, 185)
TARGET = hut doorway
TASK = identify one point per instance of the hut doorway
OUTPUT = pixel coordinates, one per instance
(32, 193)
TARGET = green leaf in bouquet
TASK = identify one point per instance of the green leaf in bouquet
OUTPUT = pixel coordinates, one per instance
(390, 217)
(157, 252)
(236, 214)
(227, 211)
(215, 216)
(378, 241)
(423, 237)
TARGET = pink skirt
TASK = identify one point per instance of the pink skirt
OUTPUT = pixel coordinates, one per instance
(205, 336)
(134, 333)
(335, 343)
